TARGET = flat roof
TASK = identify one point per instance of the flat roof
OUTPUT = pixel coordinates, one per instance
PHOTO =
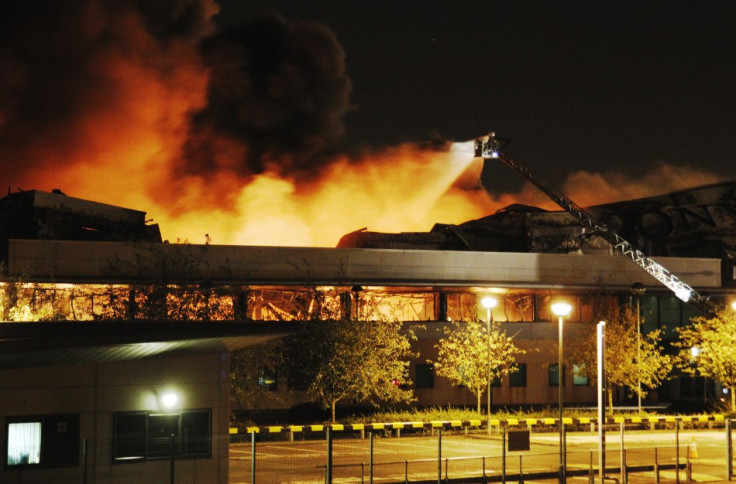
(128, 262)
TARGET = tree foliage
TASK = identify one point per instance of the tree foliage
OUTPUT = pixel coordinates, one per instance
(465, 358)
(622, 360)
(715, 338)
(248, 368)
(346, 359)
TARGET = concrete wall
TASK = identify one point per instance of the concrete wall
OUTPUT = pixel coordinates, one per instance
(97, 391)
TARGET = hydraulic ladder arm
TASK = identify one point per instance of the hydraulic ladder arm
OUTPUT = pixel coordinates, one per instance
(490, 147)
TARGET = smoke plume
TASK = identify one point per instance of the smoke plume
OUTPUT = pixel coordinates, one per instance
(145, 104)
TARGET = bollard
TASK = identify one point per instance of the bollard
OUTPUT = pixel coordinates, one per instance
(688, 469)
(406, 471)
(692, 449)
(656, 467)
(485, 481)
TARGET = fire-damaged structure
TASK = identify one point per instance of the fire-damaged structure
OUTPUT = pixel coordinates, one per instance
(35, 214)
(105, 325)
(699, 222)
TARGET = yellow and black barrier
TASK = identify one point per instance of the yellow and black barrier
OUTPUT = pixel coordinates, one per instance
(458, 424)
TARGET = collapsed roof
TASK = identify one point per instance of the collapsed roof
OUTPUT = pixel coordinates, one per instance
(699, 222)
(36, 214)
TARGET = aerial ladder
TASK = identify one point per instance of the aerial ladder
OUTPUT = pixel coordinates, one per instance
(490, 147)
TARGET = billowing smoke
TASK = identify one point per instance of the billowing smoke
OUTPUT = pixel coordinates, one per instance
(276, 98)
(149, 97)
(144, 104)
(72, 71)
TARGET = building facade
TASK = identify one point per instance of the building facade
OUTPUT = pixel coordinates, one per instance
(115, 354)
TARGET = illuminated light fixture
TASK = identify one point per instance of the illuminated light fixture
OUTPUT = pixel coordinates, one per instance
(489, 302)
(684, 294)
(694, 351)
(169, 400)
(733, 305)
(561, 308)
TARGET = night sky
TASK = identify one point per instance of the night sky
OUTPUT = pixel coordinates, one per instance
(576, 85)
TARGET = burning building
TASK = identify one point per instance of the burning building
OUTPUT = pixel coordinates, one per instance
(103, 319)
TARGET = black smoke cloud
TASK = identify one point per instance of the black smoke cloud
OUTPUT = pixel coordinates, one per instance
(277, 93)
(63, 63)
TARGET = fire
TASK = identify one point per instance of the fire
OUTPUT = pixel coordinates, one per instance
(228, 135)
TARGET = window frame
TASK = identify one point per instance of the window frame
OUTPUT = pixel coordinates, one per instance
(427, 374)
(521, 370)
(151, 447)
(58, 440)
(550, 370)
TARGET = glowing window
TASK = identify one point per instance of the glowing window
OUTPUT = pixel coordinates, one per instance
(24, 443)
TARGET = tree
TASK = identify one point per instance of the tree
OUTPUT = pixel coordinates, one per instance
(342, 359)
(621, 363)
(715, 338)
(464, 355)
(248, 367)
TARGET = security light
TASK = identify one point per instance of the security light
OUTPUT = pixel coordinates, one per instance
(169, 400)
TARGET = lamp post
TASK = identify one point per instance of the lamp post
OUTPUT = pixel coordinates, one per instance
(561, 309)
(638, 290)
(489, 303)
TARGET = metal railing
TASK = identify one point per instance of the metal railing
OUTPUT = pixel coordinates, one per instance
(642, 451)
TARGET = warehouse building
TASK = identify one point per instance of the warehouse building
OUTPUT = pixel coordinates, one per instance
(127, 374)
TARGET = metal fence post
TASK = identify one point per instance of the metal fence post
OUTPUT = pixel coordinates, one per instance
(656, 467)
(591, 479)
(84, 461)
(439, 456)
(521, 471)
(677, 451)
(729, 450)
(173, 447)
(623, 456)
(370, 458)
(328, 467)
(253, 457)
(503, 455)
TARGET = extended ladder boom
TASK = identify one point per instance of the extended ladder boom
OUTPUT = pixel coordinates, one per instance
(489, 147)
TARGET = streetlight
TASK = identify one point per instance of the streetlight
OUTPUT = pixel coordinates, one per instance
(560, 309)
(638, 290)
(489, 303)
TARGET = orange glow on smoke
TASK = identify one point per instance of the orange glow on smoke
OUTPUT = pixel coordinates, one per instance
(402, 189)
(120, 138)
